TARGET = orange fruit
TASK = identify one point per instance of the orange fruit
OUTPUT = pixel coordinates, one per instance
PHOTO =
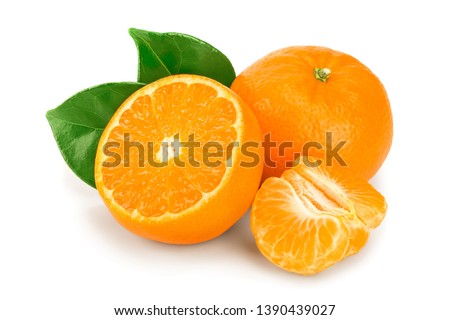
(151, 193)
(299, 94)
(306, 220)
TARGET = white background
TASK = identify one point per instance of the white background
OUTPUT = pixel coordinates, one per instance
(64, 257)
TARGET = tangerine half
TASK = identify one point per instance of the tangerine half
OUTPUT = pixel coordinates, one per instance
(174, 194)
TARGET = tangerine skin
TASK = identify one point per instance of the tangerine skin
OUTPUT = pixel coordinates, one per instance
(293, 106)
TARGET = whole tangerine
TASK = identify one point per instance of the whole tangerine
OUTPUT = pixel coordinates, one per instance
(316, 101)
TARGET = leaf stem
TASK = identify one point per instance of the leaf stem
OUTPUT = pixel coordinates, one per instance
(322, 74)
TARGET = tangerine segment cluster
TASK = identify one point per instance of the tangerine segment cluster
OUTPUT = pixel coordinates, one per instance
(305, 221)
(178, 180)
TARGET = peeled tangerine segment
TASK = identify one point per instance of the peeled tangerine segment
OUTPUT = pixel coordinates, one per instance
(306, 221)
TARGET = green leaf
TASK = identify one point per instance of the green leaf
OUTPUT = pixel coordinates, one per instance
(164, 54)
(78, 123)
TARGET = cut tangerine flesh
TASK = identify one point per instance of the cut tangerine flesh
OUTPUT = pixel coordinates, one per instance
(156, 121)
(173, 138)
(305, 221)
